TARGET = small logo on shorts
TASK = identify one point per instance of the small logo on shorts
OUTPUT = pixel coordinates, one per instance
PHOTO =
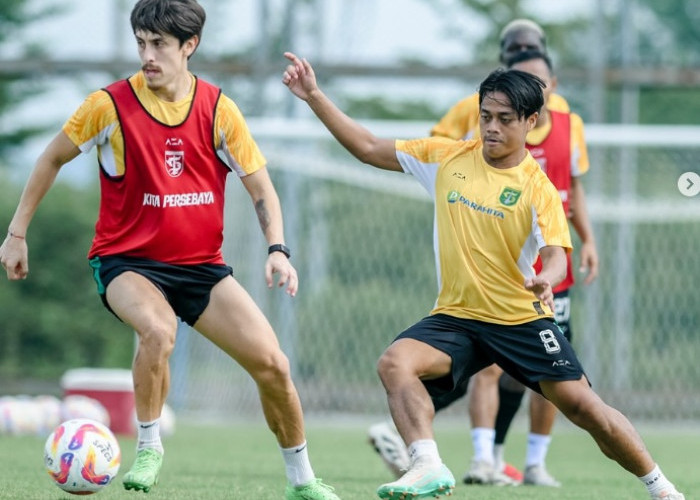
(561, 362)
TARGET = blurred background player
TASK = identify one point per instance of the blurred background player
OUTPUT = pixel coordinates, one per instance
(494, 396)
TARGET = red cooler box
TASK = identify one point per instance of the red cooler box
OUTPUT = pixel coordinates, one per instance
(114, 388)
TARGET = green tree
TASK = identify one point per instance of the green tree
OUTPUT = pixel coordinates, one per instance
(666, 35)
(15, 88)
(673, 33)
(54, 320)
(563, 36)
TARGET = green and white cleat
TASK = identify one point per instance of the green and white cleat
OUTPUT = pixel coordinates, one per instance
(144, 473)
(422, 480)
(315, 490)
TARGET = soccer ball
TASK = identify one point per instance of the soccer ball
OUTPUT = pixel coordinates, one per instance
(82, 456)
(78, 406)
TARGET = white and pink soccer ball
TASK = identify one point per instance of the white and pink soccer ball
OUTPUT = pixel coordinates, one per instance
(82, 456)
(78, 406)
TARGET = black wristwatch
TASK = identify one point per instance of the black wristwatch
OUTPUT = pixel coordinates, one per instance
(279, 247)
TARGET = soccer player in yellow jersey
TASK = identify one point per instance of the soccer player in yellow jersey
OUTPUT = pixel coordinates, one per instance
(495, 211)
(166, 141)
(493, 403)
(557, 144)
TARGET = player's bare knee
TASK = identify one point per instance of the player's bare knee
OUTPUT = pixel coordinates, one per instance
(271, 370)
(157, 339)
(587, 413)
(488, 376)
(388, 367)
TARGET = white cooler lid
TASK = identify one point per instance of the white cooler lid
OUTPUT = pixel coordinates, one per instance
(96, 379)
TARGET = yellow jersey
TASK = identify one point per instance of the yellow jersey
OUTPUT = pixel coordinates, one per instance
(490, 224)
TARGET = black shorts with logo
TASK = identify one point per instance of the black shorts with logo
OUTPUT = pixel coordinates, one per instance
(528, 352)
(186, 288)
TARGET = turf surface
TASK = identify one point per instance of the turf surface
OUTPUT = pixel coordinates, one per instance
(241, 461)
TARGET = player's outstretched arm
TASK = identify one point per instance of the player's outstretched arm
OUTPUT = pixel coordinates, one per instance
(13, 251)
(300, 79)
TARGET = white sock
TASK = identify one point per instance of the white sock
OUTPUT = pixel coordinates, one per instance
(149, 435)
(498, 457)
(297, 464)
(537, 447)
(482, 440)
(425, 449)
(656, 482)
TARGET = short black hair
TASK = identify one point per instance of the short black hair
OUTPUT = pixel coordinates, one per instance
(182, 19)
(524, 90)
(530, 55)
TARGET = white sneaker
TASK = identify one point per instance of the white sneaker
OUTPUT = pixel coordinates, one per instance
(422, 480)
(387, 442)
(482, 472)
(668, 495)
(537, 475)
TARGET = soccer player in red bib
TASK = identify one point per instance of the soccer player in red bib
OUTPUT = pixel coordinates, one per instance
(495, 212)
(166, 142)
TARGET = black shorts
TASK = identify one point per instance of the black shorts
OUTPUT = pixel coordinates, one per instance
(562, 312)
(186, 288)
(529, 352)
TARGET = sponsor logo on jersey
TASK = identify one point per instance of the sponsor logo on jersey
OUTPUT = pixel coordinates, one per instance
(455, 197)
(178, 200)
(509, 196)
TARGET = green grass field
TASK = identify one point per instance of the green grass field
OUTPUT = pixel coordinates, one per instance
(242, 462)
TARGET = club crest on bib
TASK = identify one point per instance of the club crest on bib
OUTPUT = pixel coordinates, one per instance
(509, 196)
(174, 158)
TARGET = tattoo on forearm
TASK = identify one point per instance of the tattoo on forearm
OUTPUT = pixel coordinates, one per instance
(263, 214)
